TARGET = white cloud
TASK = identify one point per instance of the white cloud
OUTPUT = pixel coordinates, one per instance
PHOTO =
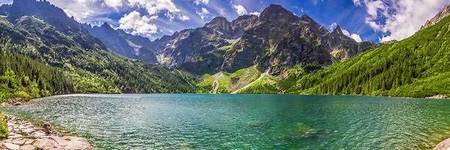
(357, 2)
(184, 18)
(203, 13)
(5, 2)
(399, 19)
(154, 7)
(137, 24)
(354, 36)
(198, 2)
(84, 9)
(142, 21)
(114, 3)
(240, 10)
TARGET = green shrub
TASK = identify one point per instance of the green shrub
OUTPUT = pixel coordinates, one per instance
(22, 94)
(3, 127)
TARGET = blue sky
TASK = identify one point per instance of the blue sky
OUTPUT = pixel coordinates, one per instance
(373, 20)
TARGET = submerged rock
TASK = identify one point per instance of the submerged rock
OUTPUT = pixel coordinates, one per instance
(305, 130)
(257, 124)
(186, 146)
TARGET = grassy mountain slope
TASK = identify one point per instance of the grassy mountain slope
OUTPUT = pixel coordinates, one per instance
(250, 81)
(223, 82)
(415, 67)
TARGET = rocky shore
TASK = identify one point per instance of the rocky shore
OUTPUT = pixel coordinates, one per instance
(438, 97)
(25, 136)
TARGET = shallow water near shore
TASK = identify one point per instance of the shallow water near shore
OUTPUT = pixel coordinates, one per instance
(189, 121)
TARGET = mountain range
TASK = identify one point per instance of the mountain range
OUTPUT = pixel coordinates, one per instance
(274, 52)
(275, 41)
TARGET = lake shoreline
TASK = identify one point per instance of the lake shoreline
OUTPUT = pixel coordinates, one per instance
(26, 135)
(441, 146)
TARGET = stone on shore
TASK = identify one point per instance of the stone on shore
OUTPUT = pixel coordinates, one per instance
(24, 136)
(11, 146)
(438, 97)
(444, 145)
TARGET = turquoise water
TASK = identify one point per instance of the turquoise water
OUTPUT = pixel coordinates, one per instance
(187, 121)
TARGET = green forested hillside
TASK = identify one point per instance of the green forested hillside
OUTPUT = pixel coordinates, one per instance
(75, 58)
(25, 78)
(415, 67)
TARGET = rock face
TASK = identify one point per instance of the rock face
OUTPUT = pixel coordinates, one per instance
(200, 50)
(20, 12)
(123, 43)
(275, 41)
(24, 136)
(441, 15)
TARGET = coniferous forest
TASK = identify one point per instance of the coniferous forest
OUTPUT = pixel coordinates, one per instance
(23, 77)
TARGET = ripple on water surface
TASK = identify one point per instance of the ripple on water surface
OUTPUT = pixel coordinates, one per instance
(163, 121)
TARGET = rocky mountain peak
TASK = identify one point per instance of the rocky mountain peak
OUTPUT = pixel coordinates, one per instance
(275, 9)
(245, 22)
(338, 30)
(220, 23)
(276, 13)
(439, 16)
(43, 10)
(218, 20)
(107, 27)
